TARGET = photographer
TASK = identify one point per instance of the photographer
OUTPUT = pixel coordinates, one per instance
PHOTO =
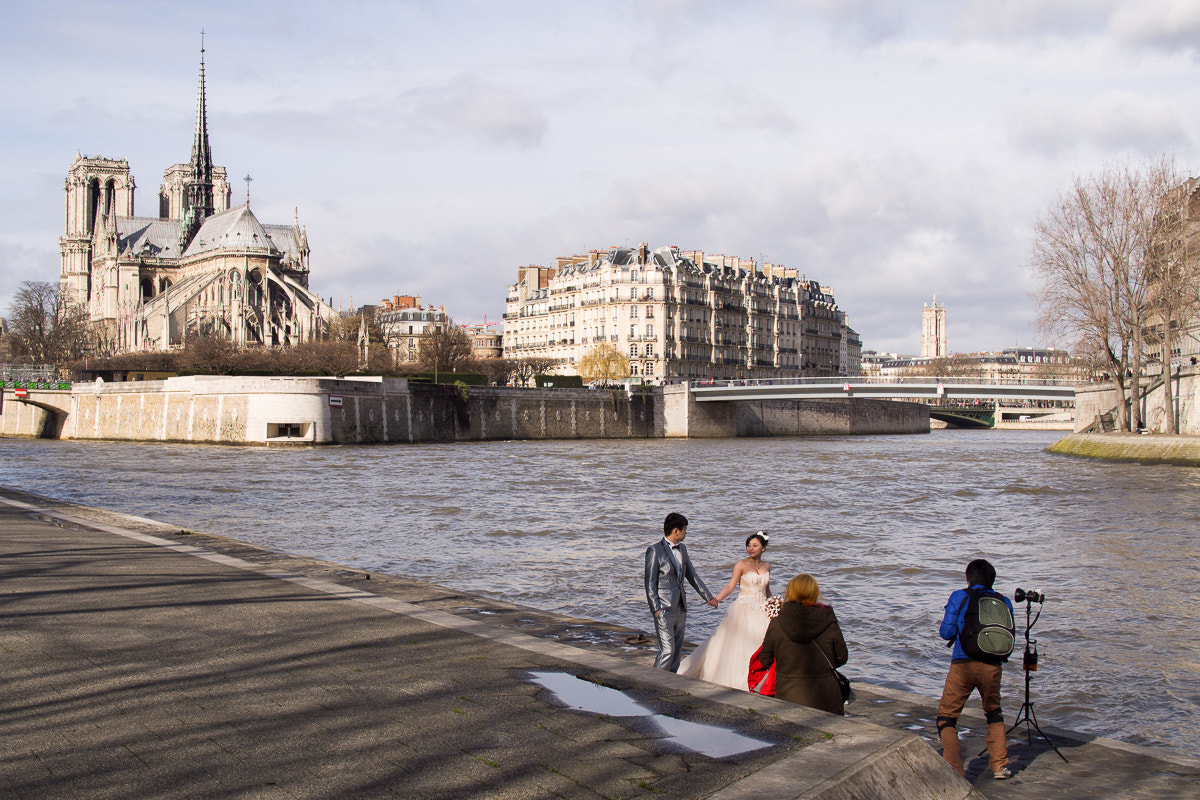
(968, 674)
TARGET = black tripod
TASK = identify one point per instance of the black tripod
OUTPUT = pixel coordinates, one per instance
(1030, 664)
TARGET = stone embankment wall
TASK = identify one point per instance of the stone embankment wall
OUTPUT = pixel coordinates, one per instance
(1101, 398)
(1147, 448)
(281, 410)
(829, 417)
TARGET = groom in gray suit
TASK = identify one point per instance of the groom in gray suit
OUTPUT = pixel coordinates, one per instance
(667, 565)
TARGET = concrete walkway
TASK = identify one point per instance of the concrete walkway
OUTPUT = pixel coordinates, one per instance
(143, 661)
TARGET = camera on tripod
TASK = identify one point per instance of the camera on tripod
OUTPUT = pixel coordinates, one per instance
(1033, 596)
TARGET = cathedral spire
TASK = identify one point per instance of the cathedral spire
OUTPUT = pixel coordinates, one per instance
(198, 190)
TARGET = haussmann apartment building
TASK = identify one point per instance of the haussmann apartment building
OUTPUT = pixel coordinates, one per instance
(679, 315)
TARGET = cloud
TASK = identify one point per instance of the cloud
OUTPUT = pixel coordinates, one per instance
(19, 263)
(885, 231)
(1161, 24)
(1111, 123)
(867, 22)
(473, 108)
(1029, 19)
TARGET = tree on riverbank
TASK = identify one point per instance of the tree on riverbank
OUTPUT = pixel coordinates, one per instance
(45, 326)
(1107, 255)
(604, 362)
(445, 349)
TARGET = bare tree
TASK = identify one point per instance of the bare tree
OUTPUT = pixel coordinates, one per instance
(604, 362)
(445, 349)
(523, 369)
(348, 327)
(46, 326)
(1091, 254)
(210, 355)
(497, 370)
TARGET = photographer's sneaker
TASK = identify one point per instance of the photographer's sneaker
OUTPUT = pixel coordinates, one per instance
(1003, 774)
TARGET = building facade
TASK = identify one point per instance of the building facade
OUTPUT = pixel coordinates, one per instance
(404, 323)
(486, 340)
(679, 315)
(1015, 364)
(1185, 330)
(200, 267)
(933, 331)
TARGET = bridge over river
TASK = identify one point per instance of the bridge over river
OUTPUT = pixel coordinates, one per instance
(962, 402)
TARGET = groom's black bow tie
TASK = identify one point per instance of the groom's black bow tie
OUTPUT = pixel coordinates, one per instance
(674, 547)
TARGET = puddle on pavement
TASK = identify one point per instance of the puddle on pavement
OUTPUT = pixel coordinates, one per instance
(711, 740)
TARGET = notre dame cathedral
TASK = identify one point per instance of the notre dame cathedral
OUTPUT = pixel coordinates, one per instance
(199, 267)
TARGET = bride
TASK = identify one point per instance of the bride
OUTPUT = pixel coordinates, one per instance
(725, 657)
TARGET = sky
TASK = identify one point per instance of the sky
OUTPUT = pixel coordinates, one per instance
(893, 151)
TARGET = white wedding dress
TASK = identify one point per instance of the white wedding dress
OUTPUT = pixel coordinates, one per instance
(725, 657)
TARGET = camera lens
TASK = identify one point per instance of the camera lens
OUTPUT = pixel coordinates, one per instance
(1033, 596)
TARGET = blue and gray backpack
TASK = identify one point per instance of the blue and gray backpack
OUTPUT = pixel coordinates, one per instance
(988, 633)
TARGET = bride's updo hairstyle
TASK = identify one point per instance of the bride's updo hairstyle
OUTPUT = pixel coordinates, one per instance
(803, 589)
(762, 538)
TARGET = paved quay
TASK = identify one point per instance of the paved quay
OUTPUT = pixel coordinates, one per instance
(143, 661)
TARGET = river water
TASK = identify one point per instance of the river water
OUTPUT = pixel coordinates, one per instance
(886, 523)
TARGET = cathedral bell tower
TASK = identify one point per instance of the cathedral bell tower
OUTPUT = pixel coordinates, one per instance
(99, 190)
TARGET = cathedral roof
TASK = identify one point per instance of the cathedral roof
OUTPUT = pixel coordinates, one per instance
(285, 241)
(157, 238)
(235, 229)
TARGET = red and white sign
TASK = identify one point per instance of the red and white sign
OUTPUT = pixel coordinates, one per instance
(335, 400)
(21, 392)
(845, 387)
(941, 390)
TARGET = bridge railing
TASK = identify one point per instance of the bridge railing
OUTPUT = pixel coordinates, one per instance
(28, 372)
(879, 381)
(35, 384)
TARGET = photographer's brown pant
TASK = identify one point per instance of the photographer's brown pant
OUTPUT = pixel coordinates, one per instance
(965, 677)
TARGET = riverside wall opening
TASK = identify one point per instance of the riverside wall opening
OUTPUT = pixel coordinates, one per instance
(297, 411)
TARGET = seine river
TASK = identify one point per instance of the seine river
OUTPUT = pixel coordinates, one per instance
(885, 523)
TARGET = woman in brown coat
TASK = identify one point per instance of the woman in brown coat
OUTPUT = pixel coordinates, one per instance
(805, 644)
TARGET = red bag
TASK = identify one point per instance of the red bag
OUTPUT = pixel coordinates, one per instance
(761, 681)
